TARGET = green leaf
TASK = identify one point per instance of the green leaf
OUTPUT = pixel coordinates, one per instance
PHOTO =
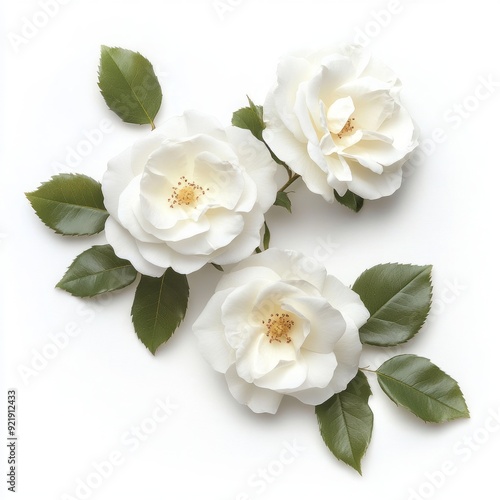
(258, 110)
(129, 85)
(97, 270)
(350, 200)
(421, 387)
(70, 204)
(250, 118)
(218, 267)
(159, 307)
(398, 297)
(346, 422)
(282, 200)
(360, 387)
(267, 236)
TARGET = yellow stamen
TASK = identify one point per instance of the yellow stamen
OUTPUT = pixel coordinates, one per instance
(185, 193)
(348, 128)
(278, 327)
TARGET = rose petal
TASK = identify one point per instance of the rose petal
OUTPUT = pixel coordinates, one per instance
(244, 243)
(124, 167)
(338, 171)
(209, 331)
(348, 353)
(289, 265)
(338, 114)
(238, 315)
(345, 300)
(372, 186)
(261, 357)
(224, 227)
(303, 113)
(125, 247)
(339, 68)
(130, 215)
(327, 324)
(237, 277)
(295, 154)
(223, 184)
(320, 370)
(161, 255)
(286, 376)
(291, 72)
(375, 155)
(257, 399)
(258, 165)
(401, 128)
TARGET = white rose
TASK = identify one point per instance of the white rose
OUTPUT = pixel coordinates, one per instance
(279, 325)
(190, 193)
(335, 118)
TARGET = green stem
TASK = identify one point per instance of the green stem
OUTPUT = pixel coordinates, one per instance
(368, 370)
(290, 181)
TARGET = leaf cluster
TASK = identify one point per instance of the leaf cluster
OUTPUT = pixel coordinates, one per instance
(398, 297)
(72, 205)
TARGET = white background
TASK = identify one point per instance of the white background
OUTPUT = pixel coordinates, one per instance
(80, 407)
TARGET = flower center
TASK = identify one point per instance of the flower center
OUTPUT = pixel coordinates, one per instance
(278, 327)
(348, 128)
(185, 193)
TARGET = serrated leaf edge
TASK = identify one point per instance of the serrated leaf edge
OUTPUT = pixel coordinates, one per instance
(108, 49)
(465, 415)
(62, 282)
(181, 319)
(357, 466)
(32, 195)
(423, 267)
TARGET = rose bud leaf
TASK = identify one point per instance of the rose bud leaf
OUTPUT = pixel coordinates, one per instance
(95, 271)
(346, 422)
(350, 200)
(398, 297)
(70, 204)
(159, 307)
(422, 388)
(129, 85)
(250, 118)
(283, 200)
(267, 237)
